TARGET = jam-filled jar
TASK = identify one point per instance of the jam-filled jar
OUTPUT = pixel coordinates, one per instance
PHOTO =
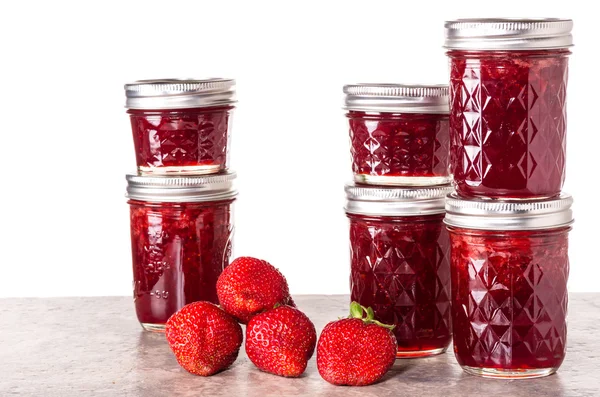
(400, 265)
(181, 126)
(398, 133)
(508, 119)
(510, 267)
(181, 240)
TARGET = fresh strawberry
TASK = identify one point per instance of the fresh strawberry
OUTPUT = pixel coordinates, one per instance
(281, 341)
(204, 338)
(249, 286)
(357, 350)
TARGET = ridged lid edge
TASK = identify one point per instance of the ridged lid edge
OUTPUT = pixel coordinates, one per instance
(508, 34)
(509, 214)
(181, 189)
(397, 90)
(395, 201)
(179, 93)
(402, 98)
(356, 192)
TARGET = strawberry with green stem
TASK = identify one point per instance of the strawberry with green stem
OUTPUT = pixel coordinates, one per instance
(357, 350)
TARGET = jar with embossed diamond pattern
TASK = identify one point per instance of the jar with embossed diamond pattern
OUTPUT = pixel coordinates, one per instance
(510, 267)
(400, 265)
(181, 240)
(508, 91)
(398, 134)
(181, 126)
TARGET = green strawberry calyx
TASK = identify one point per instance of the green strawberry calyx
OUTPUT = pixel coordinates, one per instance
(358, 311)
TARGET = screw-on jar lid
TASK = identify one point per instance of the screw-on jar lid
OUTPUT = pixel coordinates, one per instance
(399, 98)
(181, 189)
(179, 94)
(508, 34)
(509, 214)
(384, 201)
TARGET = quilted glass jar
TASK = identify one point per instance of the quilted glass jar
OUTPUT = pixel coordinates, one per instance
(181, 237)
(181, 126)
(399, 260)
(508, 120)
(510, 267)
(398, 134)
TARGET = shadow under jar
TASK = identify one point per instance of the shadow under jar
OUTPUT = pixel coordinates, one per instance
(508, 120)
(181, 240)
(400, 265)
(181, 126)
(510, 267)
(398, 134)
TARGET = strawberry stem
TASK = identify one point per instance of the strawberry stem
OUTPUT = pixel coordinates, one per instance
(358, 311)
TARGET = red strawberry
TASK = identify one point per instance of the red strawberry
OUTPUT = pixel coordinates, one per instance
(204, 338)
(356, 351)
(281, 341)
(249, 286)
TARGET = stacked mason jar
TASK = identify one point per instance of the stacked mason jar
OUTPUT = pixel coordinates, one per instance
(508, 220)
(182, 194)
(399, 246)
(503, 251)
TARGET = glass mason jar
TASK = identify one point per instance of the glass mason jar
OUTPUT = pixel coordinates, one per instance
(400, 265)
(181, 240)
(510, 267)
(398, 134)
(181, 126)
(508, 86)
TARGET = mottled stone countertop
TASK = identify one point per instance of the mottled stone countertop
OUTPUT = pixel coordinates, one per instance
(94, 346)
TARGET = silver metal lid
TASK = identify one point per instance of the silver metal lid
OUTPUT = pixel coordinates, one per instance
(509, 215)
(397, 98)
(508, 34)
(181, 189)
(387, 201)
(179, 94)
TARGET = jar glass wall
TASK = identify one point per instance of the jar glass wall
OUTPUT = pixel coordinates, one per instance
(181, 141)
(399, 148)
(178, 252)
(181, 240)
(398, 134)
(508, 115)
(510, 267)
(400, 264)
(510, 297)
(181, 126)
(400, 267)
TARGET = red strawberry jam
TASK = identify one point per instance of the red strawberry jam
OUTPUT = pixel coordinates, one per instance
(509, 292)
(398, 133)
(400, 267)
(510, 267)
(181, 126)
(399, 262)
(508, 122)
(178, 251)
(181, 140)
(399, 144)
(181, 232)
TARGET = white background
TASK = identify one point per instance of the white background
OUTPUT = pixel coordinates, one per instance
(66, 141)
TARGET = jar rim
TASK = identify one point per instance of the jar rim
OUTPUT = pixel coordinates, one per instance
(398, 98)
(187, 189)
(503, 214)
(173, 93)
(395, 201)
(508, 34)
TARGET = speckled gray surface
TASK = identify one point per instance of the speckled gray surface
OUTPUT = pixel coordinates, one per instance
(94, 346)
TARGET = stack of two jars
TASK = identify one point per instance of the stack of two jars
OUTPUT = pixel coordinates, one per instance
(182, 194)
(491, 273)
